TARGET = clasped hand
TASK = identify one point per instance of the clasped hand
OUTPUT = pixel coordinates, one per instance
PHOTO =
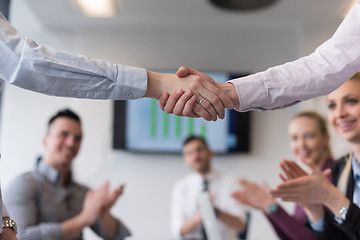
(192, 93)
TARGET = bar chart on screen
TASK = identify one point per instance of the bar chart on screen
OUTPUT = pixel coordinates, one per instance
(154, 130)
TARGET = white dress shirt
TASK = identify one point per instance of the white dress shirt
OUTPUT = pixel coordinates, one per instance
(333, 62)
(41, 68)
(184, 203)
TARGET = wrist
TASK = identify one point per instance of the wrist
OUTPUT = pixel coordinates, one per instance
(82, 220)
(157, 84)
(230, 91)
(271, 208)
(336, 201)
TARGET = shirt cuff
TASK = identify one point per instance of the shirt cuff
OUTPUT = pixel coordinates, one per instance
(319, 225)
(131, 83)
(251, 91)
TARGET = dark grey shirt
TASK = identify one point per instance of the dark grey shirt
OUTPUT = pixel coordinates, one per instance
(38, 203)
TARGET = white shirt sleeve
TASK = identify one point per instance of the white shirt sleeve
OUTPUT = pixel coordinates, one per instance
(332, 63)
(42, 69)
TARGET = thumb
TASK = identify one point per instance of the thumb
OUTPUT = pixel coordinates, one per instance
(327, 172)
(185, 71)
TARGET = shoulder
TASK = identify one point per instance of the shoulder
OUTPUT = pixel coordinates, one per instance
(24, 184)
(225, 178)
(184, 183)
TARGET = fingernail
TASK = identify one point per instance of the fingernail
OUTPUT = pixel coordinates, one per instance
(188, 92)
(230, 106)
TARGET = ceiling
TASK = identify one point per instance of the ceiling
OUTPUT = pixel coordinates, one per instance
(65, 14)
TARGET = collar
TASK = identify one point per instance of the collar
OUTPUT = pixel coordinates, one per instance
(213, 174)
(356, 168)
(49, 172)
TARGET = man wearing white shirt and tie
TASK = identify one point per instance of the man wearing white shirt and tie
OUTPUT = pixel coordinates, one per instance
(186, 219)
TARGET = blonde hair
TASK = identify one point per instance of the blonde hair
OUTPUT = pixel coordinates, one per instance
(356, 76)
(322, 123)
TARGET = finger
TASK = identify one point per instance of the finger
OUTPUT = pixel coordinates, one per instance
(295, 169)
(181, 102)
(244, 182)
(287, 171)
(209, 108)
(172, 100)
(220, 100)
(184, 71)
(199, 110)
(284, 179)
(212, 102)
(327, 172)
(239, 196)
(163, 99)
(188, 108)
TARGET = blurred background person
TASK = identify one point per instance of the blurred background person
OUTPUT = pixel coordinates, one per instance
(342, 198)
(48, 204)
(186, 218)
(309, 141)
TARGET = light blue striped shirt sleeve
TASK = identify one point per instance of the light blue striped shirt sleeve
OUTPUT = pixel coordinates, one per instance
(42, 69)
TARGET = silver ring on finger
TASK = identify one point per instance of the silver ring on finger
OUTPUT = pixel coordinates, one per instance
(201, 100)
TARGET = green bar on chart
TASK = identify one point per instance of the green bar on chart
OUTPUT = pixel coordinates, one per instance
(177, 126)
(153, 109)
(165, 124)
(191, 126)
(203, 130)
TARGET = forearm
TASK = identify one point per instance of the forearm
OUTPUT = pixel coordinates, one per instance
(190, 225)
(335, 200)
(318, 74)
(109, 225)
(314, 212)
(72, 227)
(43, 69)
(157, 84)
(230, 220)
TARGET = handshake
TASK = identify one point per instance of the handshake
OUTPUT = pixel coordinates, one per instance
(191, 93)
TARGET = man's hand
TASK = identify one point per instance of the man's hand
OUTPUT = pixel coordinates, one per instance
(209, 101)
(93, 204)
(8, 234)
(186, 105)
(112, 197)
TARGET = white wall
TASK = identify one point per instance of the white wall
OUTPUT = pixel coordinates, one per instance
(146, 202)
